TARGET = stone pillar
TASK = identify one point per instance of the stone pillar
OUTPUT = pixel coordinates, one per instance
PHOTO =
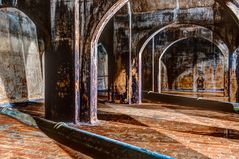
(153, 63)
(62, 63)
(228, 76)
(96, 16)
(88, 72)
(130, 54)
(195, 70)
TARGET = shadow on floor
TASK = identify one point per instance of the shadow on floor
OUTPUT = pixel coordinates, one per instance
(121, 118)
(184, 127)
(191, 128)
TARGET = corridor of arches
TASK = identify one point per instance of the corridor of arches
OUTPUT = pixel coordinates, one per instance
(161, 75)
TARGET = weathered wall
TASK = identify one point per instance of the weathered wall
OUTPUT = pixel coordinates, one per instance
(193, 59)
(20, 67)
(207, 13)
(153, 5)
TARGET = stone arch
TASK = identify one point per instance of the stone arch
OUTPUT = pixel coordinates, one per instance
(93, 47)
(94, 50)
(224, 50)
(213, 38)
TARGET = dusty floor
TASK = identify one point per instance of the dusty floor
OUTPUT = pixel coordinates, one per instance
(18, 141)
(177, 131)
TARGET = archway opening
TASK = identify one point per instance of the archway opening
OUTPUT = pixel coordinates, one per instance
(156, 14)
(157, 44)
(113, 69)
(195, 70)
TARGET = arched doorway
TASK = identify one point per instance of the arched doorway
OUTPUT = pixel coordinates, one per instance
(94, 41)
(177, 32)
(195, 70)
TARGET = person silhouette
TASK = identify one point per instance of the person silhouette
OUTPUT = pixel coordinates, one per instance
(200, 83)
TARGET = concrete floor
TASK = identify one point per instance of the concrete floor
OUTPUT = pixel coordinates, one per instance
(177, 131)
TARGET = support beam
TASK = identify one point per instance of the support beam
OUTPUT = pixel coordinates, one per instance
(77, 62)
(89, 70)
(194, 74)
(82, 22)
(130, 54)
(160, 76)
(62, 62)
(228, 75)
(153, 66)
(195, 69)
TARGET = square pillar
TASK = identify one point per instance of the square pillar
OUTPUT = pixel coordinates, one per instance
(62, 63)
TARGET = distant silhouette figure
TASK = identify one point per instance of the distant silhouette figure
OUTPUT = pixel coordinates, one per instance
(200, 83)
(134, 89)
(123, 97)
(120, 96)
